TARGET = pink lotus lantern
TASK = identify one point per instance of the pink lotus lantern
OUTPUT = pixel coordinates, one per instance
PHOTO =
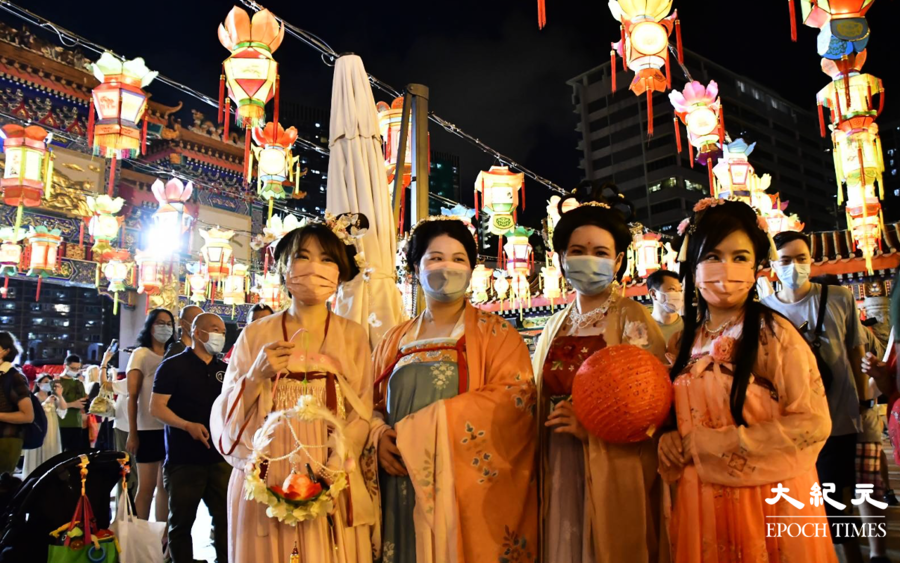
(170, 218)
(700, 109)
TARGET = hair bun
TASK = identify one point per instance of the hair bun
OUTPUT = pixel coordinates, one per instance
(592, 191)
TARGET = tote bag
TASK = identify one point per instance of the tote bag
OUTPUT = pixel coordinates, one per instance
(139, 540)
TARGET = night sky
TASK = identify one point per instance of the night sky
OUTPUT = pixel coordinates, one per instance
(489, 68)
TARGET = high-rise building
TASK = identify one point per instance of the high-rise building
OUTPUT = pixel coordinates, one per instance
(890, 144)
(662, 184)
(443, 181)
(312, 125)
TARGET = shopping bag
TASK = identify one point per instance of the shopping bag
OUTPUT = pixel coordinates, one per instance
(80, 541)
(104, 404)
(139, 540)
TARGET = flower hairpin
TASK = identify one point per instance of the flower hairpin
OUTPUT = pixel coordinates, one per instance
(706, 203)
(683, 226)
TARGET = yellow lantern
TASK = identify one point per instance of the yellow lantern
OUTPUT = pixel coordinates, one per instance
(29, 165)
(275, 163)
(116, 271)
(552, 279)
(499, 190)
(104, 225)
(149, 275)
(520, 289)
(197, 282)
(646, 250)
(250, 71)
(480, 285)
(389, 120)
(235, 286)
(216, 253)
(850, 95)
(518, 251)
(170, 219)
(501, 286)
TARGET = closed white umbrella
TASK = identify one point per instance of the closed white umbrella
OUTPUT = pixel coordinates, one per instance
(357, 183)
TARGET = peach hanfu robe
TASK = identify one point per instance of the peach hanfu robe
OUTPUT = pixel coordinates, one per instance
(721, 513)
(600, 502)
(470, 456)
(341, 378)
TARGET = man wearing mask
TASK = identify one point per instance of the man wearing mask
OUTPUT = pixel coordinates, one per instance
(840, 359)
(668, 300)
(185, 321)
(185, 388)
(72, 431)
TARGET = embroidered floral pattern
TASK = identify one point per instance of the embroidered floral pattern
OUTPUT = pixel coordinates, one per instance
(388, 552)
(723, 349)
(441, 373)
(636, 333)
(475, 443)
(515, 549)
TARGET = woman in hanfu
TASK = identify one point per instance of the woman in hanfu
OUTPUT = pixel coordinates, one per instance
(455, 431)
(600, 502)
(330, 359)
(750, 407)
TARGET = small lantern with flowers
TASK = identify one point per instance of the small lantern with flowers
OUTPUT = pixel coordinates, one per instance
(843, 29)
(519, 252)
(275, 163)
(44, 245)
(700, 109)
(116, 270)
(734, 172)
(501, 286)
(499, 190)
(216, 253)
(481, 283)
(121, 104)
(104, 225)
(552, 279)
(28, 171)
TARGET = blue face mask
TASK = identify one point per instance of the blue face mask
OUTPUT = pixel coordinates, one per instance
(793, 275)
(590, 275)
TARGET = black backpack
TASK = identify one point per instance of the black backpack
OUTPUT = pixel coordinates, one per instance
(32, 434)
(816, 344)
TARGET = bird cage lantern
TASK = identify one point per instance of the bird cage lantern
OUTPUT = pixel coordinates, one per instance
(104, 225)
(275, 163)
(499, 190)
(149, 275)
(250, 72)
(644, 46)
(268, 287)
(235, 290)
(519, 252)
(28, 171)
(481, 283)
(217, 253)
(171, 221)
(116, 271)
(700, 109)
(646, 247)
(120, 128)
(734, 172)
(389, 120)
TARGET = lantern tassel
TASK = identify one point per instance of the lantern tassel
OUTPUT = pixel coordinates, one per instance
(677, 134)
(612, 65)
(622, 43)
(112, 174)
(846, 82)
(5, 285)
(678, 41)
(227, 123)
(712, 177)
(221, 95)
(691, 152)
(81, 234)
(500, 250)
(476, 205)
(90, 124)
(144, 136)
(523, 196)
(793, 12)
(37, 294)
(821, 121)
(542, 14)
(116, 303)
(266, 260)
(271, 204)
(668, 70)
(48, 175)
(721, 126)
(649, 112)
(277, 96)
(881, 101)
(247, 156)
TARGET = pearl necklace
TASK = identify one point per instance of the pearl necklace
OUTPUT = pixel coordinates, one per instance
(583, 320)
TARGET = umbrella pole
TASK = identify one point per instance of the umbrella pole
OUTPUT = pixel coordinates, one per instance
(420, 154)
(401, 162)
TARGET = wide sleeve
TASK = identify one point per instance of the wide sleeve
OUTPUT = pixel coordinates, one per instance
(782, 446)
(237, 412)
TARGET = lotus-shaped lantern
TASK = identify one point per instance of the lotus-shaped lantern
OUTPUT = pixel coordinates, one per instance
(172, 193)
(275, 163)
(276, 227)
(134, 71)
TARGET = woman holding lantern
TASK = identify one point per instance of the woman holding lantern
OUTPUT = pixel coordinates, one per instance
(600, 502)
(304, 354)
(749, 401)
(454, 428)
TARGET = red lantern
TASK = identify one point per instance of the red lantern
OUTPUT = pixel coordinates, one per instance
(29, 165)
(622, 394)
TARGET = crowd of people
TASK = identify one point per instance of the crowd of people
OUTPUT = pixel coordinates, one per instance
(463, 447)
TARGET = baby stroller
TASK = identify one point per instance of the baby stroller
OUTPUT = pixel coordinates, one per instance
(46, 499)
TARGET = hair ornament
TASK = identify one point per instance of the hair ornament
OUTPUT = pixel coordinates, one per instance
(464, 220)
(596, 204)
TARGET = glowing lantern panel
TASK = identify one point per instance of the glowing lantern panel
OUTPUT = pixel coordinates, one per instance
(29, 165)
(104, 225)
(519, 251)
(235, 286)
(10, 250)
(480, 285)
(275, 164)
(217, 253)
(646, 249)
(171, 220)
(149, 278)
(499, 190)
(44, 248)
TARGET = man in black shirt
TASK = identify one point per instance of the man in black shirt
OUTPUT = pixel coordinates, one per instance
(184, 390)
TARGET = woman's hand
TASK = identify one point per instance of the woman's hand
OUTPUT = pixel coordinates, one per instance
(389, 454)
(878, 370)
(564, 421)
(272, 360)
(133, 443)
(671, 450)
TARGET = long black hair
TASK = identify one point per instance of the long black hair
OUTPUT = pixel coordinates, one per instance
(427, 231)
(343, 254)
(612, 218)
(710, 227)
(145, 338)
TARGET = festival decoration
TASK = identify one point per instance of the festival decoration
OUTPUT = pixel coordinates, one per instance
(116, 271)
(850, 95)
(499, 190)
(700, 109)
(10, 254)
(647, 246)
(268, 288)
(644, 46)
(149, 278)
(301, 497)
(216, 253)
(501, 286)
(480, 285)
(196, 283)
(234, 291)
(171, 221)
(623, 393)
(552, 284)
(121, 106)
(519, 252)
(843, 29)
(28, 171)
(44, 245)
(389, 118)
(275, 163)
(520, 290)
(104, 225)
(463, 213)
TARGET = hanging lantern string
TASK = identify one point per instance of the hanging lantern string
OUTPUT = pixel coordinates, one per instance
(684, 68)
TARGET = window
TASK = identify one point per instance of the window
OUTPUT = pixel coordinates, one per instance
(666, 206)
(626, 133)
(600, 143)
(596, 105)
(602, 162)
(763, 155)
(628, 175)
(790, 181)
(628, 153)
(661, 163)
(694, 186)
(782, 129)
(741, 86)
(598, 123)
(661, 142)
(789, 148)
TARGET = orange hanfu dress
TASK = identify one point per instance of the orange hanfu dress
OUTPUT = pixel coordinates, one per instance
(720, 514)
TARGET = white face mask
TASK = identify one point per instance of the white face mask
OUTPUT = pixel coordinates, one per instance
(671, 301)
(215, 343)
(45, 387)
(793, 275)
(162, 333)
